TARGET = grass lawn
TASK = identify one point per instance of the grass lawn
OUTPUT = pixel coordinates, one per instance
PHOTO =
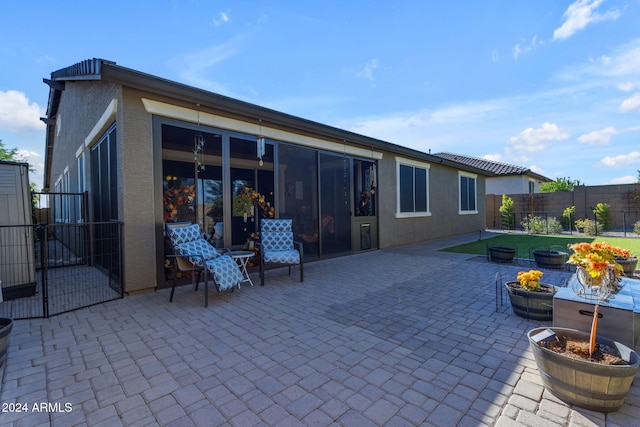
(526, 243)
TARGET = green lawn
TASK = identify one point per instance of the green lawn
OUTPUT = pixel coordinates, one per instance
(526, 243)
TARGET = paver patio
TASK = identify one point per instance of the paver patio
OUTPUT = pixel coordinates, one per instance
(402, 336)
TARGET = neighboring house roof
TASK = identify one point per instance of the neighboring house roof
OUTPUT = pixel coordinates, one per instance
(100, 69)
(496, 168)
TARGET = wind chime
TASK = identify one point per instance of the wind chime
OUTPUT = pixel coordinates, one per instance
(198, 151)
(260, 145)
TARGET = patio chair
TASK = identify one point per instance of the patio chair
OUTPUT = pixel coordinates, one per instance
(196, 253)
(277, 246)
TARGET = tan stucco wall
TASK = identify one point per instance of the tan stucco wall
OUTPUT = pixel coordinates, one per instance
(443, 203)
(77, 117)
(141, 206)
(135, 137)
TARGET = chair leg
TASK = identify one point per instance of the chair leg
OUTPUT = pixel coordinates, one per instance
(261, 272)
(173, 288)
(197, 280)
(206, 289)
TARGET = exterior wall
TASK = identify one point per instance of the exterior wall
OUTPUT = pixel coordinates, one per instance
(140, 180)
(443, 204)
(76, 119)
(136, 169)
(507, 185)
(517, 184)
(624, 201)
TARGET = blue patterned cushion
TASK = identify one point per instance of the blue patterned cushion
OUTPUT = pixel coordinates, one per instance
(225, 271)
(276, 225)
(288, 256)
(184, 234)
(276, 240)
(196, 248)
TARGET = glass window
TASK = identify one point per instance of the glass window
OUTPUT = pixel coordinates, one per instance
(364, 181)
(413, 188)
(467, 193)
(298, 181)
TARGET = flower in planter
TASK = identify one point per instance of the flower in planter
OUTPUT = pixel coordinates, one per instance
(597, 258)
(530, 280)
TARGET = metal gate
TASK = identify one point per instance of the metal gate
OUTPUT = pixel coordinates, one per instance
(51, 269)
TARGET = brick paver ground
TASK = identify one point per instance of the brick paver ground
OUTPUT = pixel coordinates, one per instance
(403, 336)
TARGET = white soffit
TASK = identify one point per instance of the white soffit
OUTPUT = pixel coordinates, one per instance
(103, 123)
(194, 116)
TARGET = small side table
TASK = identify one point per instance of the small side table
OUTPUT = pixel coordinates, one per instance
(242, 258)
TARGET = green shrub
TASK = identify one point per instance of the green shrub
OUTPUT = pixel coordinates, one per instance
(636, 227)
(589, 227)
(507, 217)
(603, 215)
(538, 225)
(568, 216)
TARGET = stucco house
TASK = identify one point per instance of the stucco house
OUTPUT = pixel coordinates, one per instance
(150, 150)
(504, 178)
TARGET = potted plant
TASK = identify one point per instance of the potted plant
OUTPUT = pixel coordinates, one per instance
(549, 258)
(529, 298)
(628, 265)
(579, 367)
(501, 254)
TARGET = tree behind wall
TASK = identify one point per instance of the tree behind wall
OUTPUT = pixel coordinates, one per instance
(560, 184)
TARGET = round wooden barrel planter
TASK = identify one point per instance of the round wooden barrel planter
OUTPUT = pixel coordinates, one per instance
(589, 385)
(629, 265)
(550, 259)
(531, 305)
(501, 254)
(6, 325)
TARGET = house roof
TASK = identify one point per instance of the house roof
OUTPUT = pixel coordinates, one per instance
(100, 69)
(490, 166)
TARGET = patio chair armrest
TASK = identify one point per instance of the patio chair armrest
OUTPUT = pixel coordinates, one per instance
(300, 248)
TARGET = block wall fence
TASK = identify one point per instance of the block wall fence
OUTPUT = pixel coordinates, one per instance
(624, 202)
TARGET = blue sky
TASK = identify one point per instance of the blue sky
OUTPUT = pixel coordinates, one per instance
(548, 84)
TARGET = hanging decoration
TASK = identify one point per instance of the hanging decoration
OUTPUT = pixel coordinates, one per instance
(198, 148)
(260, 145)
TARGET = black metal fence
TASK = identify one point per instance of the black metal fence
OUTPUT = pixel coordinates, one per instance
(544, 222)
(48, 269)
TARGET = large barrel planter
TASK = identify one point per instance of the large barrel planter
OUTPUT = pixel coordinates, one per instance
(6, 325)
(531, 305)
(586, 384)
(550, 259)
(628, 265)
(501, 254)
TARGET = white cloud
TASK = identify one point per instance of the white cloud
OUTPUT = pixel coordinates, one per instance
(223, 18)
(627, 86)
(493, 157)
(627, 179)
(579, 14)
(537, 169)
(521, 48)
(194, 68)
(532, 140)
(598, 137)
(36, 162)
(631, 104)
(367, 71)
(17, 113)
(622, 160)
(495, 55)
